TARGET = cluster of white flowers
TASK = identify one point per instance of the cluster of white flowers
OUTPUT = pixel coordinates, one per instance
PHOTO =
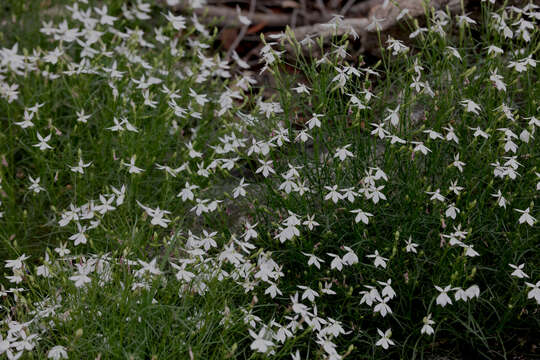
(209, 255)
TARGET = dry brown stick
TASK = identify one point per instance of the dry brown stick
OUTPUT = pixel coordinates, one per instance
(294, 18)
(324, 30)
(364, 7)
(243, 31)
(252, 52)
(346, 7)
(322, 8)
(229, 17)
(415, 7)
(360, 24)
(303, 11)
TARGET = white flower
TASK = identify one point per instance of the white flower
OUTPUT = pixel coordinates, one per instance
(328, 289)
(384, 341)
(460, 294)
(259, 341)
(169, 170)
(333, 194)
(187, 193)
(471, 106)
(492, 49)
(361, 216)
(200, 99)
(402, 14)
(273, 291)
(62, 250)
(436, 195)
(35, 187)
(314, 121)
(451, 135)
(178, 22)
(458, 163)
(534, 292)
(525, 136)
(357, 102)
(192, 152)
(6, 344)
(301, 89)
(419, 146)
(341, 77)
(250, 231)
(396, 46)
(454, 52)
(411, 247)
(379, 173)
(469, 251)
(240, 189)
(244, 20)
(473, 291)
(379, 260)
(452, 211)
(350, 258)
(28, 115)
(374, 193)
(434, 135)
(497, 81)
(80, 237)
(42, 144)
(342, 153)
(57, 352)
(501, 200)
(375, 25)
(308, 293)
(443, 299)
(156, 215)
(148, 267)
(81, 278)
(337, 263)
(370, 296)
(80, 167)
(131, 165)
(288, 185)
(314, 260)
(455, 188)
(27, 342)
(427, 328)
(396, 139)
(382, 307)
(379, 130)
(302, 136)
(287, 233)
(387, 290)
(266, 168)
(526, 217)
(518, 271)
(182, 274)
(310, 222)
(349, 194)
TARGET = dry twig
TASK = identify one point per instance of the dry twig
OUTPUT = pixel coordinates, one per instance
(229, 17)
(243, 31)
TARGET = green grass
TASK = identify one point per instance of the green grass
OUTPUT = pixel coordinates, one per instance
(134, 304)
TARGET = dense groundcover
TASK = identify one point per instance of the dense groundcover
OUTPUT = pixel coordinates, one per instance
(162, 200)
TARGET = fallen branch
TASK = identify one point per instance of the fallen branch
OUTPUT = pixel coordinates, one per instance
(229, 17)
(415, 7)
(390, 24)
(328, 30)
(361, 9)
(242, 31)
